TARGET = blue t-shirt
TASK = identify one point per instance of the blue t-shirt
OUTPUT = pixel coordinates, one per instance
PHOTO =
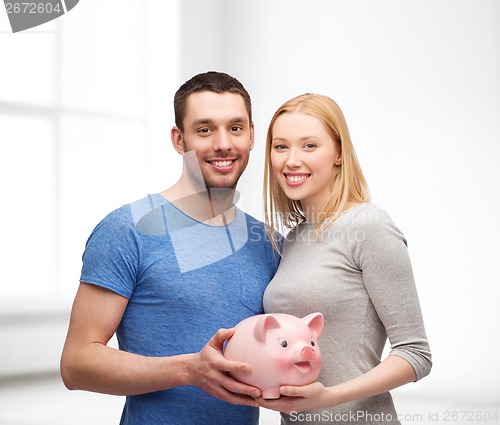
(184, 280)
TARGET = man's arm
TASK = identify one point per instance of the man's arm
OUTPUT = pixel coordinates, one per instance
(87, 363)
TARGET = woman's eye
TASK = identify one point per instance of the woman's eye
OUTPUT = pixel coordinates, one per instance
(310, 146)
(280, 147)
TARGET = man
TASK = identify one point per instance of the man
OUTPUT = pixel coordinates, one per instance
(167, 271)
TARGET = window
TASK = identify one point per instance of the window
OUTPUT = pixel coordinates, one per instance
(84, 119)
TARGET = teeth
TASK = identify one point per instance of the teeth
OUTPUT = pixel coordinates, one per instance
(222, 163)
(296, 179)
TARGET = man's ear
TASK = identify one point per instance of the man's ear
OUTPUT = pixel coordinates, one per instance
(252, 135)
(177, 140)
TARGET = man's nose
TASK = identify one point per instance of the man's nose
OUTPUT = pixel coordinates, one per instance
(223, 141)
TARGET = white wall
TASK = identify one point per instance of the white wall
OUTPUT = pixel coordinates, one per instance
(419, 83)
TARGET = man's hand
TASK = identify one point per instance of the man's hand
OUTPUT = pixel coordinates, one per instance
(209, 373)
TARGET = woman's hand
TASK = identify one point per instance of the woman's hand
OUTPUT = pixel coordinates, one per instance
(393, 372)
(298, 399)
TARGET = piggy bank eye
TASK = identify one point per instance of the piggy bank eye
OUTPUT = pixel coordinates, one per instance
(283, 342)
(313, 343)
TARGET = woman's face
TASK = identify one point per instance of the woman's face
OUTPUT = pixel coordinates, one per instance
(303, 158)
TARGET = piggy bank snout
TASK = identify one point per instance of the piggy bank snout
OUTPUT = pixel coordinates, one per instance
(308, 353)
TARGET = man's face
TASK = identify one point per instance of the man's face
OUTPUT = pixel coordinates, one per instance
(218, 130)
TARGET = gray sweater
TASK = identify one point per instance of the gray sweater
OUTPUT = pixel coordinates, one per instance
(358, 274)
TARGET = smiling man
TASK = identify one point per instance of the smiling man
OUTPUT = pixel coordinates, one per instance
(174, 270)
(217, 128)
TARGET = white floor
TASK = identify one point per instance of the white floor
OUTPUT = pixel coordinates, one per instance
(45, 401)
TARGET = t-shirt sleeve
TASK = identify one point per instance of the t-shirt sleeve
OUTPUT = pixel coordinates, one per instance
(111, 255)
(381, 253)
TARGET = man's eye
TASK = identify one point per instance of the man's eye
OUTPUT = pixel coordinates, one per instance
(204, 130)
(236, 128)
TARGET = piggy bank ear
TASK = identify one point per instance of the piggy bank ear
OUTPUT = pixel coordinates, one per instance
(265, 323)
(315, 322)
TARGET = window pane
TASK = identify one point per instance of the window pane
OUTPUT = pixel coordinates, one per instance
(102, 169)
(27, 245)
(104, 56)
(28, 67)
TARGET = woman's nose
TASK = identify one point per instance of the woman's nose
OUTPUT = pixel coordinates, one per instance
(293, 160)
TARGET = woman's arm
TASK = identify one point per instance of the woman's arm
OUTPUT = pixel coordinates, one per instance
(391, 373)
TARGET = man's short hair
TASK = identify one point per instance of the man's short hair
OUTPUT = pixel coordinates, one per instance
(217, 82)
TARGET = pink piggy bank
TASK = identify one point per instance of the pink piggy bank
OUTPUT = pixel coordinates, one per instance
(281, 349)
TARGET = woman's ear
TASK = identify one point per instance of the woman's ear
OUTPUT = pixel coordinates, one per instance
(338, 160)
(177, 140)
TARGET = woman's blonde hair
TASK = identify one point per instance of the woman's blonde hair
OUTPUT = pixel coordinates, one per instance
(348, 184)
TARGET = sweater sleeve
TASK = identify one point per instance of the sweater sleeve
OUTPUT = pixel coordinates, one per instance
(381, 253)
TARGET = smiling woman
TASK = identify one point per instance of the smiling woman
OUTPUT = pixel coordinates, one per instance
(312, 171)
(304, 156)
(364, 286)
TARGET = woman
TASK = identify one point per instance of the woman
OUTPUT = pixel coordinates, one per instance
(345, 258)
